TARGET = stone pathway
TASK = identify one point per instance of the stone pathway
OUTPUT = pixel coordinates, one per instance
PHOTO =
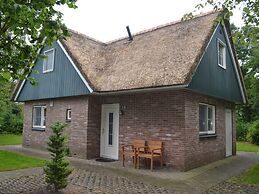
(228, 187)
(81, 181)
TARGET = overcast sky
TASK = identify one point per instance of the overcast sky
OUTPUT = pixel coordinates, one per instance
(106, 20)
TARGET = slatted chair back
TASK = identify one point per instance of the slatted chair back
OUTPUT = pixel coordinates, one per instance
(139, 143)
(151, 145)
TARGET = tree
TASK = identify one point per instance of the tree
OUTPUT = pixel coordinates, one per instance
(250, 9)
(11, 113)
(57, 170)
(247, 47)
(26, 26)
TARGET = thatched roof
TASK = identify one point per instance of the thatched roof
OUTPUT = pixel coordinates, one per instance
(163, 56)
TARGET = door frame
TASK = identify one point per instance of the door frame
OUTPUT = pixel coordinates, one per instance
(229, 152)
(114, 107)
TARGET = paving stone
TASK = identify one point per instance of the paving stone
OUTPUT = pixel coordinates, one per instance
(228, 187)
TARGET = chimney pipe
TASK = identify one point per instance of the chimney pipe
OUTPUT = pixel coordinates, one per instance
(129, 33)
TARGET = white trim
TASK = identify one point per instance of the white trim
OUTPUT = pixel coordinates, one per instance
(224, 65)
(213, 119)
(19, 90)
(77, 70)
(141, 90)
(53, 60)
(235, 65)
(42, 118)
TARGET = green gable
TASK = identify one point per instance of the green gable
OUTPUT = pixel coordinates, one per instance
(211, 79)
(63, 81)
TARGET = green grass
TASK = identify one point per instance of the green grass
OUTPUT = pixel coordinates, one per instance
(247, 147)
(10, 139)
(251, 176)
(13, 161)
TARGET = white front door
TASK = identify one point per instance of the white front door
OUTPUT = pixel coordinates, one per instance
(228, 125)
(110, 131)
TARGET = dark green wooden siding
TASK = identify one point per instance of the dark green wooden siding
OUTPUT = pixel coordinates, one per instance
(213, 80)
(63, 81)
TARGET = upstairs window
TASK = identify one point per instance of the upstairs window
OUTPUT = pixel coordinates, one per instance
(39, 117)
(48, 63)
(206, 119)
(221, 54)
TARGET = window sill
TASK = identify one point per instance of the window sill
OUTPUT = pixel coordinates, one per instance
(38, 129)
(207, 135)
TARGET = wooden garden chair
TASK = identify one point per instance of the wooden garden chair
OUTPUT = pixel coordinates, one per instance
(131, 151)
(154, 149)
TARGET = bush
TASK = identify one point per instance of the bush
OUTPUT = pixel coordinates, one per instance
(253, 133)
(57, 169)
(242, 129)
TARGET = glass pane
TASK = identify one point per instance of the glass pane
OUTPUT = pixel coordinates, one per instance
(37, 116)
(49, 60)
(110, 135)
(210, 119)
(221, 54)
(203, 118)
(44, 116)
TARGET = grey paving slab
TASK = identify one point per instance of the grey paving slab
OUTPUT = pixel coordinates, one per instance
(198, 180)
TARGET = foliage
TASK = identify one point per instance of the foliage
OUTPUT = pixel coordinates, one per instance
(11, 120)
(242, 128)
(57, 170)
(250, 9)
(247, 147)
(10, 139)
(247, 47)
(251, 176)
(253, 133)
(25, 27)
(13, 161)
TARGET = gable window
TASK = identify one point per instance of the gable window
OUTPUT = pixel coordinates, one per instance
(48, 63)
(68, 115)
(221, 54)
(206, 119)
(39, 117)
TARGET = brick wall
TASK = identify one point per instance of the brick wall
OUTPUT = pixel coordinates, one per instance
(76, 129)
(202, 150)
(169, 116)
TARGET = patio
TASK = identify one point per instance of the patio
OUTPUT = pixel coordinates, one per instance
(197, 180)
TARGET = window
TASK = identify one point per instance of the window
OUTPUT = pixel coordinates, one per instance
(110, 135)
(206, 119)
(48, 63)
(39, 116)
(68, 115)
(221, 54)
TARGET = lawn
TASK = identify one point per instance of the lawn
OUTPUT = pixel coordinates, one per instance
(251, 176)
(13, 161)
(10, 139)
(247, 147)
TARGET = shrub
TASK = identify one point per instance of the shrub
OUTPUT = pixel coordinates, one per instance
(253, 133)
(242, 129)
(57, 169)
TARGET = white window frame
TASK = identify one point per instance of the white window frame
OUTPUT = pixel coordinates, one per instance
(68, 115)
(52, 62)
(42, 119)
(213, 119)
(220, 42)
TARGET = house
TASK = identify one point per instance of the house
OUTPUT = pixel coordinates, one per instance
(177, 83)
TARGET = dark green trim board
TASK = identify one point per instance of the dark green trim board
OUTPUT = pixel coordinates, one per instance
(63, 81)
(213, 80)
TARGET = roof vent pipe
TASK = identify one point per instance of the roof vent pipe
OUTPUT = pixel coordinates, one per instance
(129, 33)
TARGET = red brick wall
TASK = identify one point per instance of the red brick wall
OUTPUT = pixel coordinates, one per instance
(171, 117)
(76, 129)
(200, 150)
